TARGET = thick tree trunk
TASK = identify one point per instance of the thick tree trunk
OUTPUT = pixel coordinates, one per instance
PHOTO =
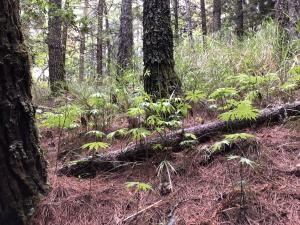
(188, 19)
(22, 166)
(217, 15)
(125, 48)
(176, 23)
(55, 48)
(82, 47)
(294, 17)
(239, 21)
(203, 132)
(203, 20)
(160, 79)
(100, 39)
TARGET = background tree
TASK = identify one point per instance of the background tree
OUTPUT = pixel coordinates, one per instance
(22, 166)
(99, 57)
(83, 31)
(293, 9)
(203, 19)
(188, 19)
(55, 47)
(125, 49)
(176, 22)
(160, 79)
(239, 21)
(216, 15)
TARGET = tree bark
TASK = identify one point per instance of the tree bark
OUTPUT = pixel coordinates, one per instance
(22, 166)
(203, 20)
(100, 39)
(55, 48)
(82, 47)
(294, 17)
(108, 44)
(188, 19)
(239, 21)
(160, 79)
(65, 32)
(176, 23)
(125, 48)
(203, 132)
(217, 15)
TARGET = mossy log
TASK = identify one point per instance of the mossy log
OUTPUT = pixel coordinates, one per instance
(135, 152)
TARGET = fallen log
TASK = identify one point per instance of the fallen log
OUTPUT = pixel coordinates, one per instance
(88, 166)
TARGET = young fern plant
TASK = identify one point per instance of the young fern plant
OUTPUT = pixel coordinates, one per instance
(243, 111)
(228, 141)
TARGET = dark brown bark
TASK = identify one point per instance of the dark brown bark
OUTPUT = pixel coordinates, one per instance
(82, 47)
(55, 48)
(294, 17)
(203, 132)
(22, 166)
(176, 23)
(217, 7)
(160, 79)
(100, 39)
(203, 19)
(239, 20)
(125, 48)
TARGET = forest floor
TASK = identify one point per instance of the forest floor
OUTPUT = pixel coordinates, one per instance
(202, 194)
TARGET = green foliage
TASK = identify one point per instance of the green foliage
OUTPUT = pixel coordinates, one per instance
(63, 117)
(139, 186)
(228, 141)
(139, 134)
(95, 146)
(189, 140)
(242, 111)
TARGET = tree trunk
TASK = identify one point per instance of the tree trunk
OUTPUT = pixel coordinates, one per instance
(65, 33)
(125, 48)
(203, 20)
(239, 21)
(108, 44)
(100, 39)
(176, 23)
(160, 79)
(188, 19)
(145, 149)
(293, 28)
(216, 16)
(55, 48)
(82, 47)
(22, 166)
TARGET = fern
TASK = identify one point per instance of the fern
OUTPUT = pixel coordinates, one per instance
(96, 133)
(243, 111)
(95, 146)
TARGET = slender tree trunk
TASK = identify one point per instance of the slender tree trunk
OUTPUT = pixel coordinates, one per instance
(82, 47)
(100, 39)
(108, 44)
(65, 32)
(160, 79)
(294, 17)
(176, 23)
(203, 20)
(55, 48)
(125, 49)
(239, 21)
(188, 19)
(22, 166)
(216, 15)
